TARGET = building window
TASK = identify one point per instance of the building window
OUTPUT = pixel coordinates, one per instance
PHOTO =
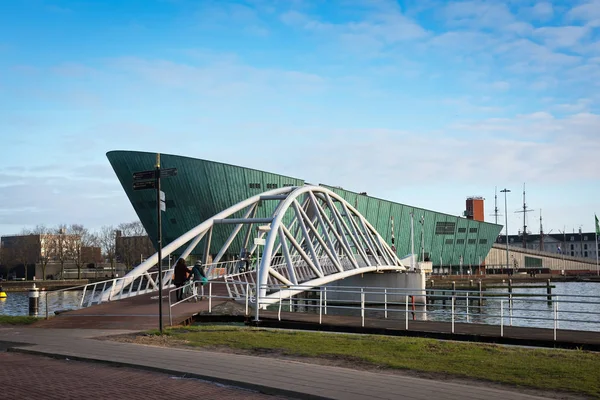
(572, 254)
(460, 241)
(445, 228)
(482, 241)
(462, 230)
(449, 241)
(512, 240)
(585, 254)
(254, 186)
(585, 238)
(572, 238)
(271, 186)
(585, 246)
(288, 184)
(572, 247)
(472, 230)
(472, 241)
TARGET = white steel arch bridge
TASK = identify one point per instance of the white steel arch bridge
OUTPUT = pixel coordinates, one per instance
(312, 238)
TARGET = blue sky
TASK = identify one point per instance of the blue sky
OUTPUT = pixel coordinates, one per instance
(419, 101)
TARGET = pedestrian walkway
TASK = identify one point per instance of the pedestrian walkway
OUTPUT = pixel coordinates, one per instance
(271, 376)
(65, 379)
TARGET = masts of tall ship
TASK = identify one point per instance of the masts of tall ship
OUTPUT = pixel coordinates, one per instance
(525, 210)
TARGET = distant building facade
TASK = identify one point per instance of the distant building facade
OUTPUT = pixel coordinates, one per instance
(131, 250)
(582, 245)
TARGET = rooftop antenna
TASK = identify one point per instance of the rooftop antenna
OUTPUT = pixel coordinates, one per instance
(496, 213)
(524, 211)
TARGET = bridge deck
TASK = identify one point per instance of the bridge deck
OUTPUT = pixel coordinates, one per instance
(134, 313)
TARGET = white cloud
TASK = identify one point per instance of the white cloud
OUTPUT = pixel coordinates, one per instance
(587, 11)
(382, 24)
(530, 146)
(541, 11)
(562, 36)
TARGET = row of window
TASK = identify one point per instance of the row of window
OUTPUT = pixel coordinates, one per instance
(470, 241)
(269, 185)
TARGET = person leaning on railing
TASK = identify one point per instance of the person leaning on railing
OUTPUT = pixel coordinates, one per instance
(199, 277)
(181, 274)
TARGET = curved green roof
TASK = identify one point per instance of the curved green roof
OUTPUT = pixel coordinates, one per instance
(203, 188)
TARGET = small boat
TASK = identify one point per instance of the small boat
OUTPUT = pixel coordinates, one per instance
(2, 293)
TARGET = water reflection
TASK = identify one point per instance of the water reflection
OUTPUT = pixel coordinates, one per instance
(17, 303)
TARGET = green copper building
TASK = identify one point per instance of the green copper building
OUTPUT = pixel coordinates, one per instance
(203, 188)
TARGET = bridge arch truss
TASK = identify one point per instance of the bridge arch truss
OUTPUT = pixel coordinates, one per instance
(312, 238)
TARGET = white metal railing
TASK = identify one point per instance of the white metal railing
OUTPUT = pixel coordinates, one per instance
(542, 310)
(195, 290)
(115, 289)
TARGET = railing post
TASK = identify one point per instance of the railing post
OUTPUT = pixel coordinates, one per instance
(501, 318)
(82, 297)
(247, 296)
(47, 304)
(453, 300)
(279, 312)
(325, 290)
(256, 286)
(210, 297)
(406, 314)
(385, 302)
(555, 318)
(362, 306)
(170, 316)
(467, 306)
(321, 306)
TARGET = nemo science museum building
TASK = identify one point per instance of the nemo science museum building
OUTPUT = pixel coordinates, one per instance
(202, 189)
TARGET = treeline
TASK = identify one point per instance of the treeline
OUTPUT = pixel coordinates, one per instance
(75, 245)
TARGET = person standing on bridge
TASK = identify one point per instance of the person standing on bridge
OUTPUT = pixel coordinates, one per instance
(181, 274)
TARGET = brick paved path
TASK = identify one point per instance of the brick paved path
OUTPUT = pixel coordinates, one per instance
(25, 376)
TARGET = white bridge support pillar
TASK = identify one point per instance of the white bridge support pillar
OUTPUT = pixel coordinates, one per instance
(400, 284)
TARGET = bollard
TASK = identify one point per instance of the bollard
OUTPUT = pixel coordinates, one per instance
(549, 291)
(34, 300)
(480, 293)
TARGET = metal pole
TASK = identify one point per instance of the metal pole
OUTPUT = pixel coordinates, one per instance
(406, 313)
(501, 318)
(325, 289)
(506, 225)
(453, 300)
(362, 306)
(257, 282)
(159, 240)
(385, 301)
(412, 242)
(247, 294)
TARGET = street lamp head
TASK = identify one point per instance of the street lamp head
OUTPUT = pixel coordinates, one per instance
(505, 191)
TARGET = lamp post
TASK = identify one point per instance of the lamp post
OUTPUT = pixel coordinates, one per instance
(506, 224)
(259, 241)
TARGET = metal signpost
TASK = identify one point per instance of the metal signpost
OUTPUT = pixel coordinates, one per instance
(151, 180)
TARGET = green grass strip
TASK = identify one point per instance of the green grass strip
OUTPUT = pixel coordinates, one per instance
(17, 320)
(565, 370)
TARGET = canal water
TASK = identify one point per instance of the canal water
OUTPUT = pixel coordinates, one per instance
(17, 303)
(578, 307)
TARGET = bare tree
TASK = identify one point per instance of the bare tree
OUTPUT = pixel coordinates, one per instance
(59, 247)
(133, 243)
(45, 253)
(106, 239)
(75, 245)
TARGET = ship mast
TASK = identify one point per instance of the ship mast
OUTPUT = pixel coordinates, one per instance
(524, 211)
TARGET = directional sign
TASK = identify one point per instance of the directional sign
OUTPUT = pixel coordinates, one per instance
(142, 185)
(168, 172)
(143, 175)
